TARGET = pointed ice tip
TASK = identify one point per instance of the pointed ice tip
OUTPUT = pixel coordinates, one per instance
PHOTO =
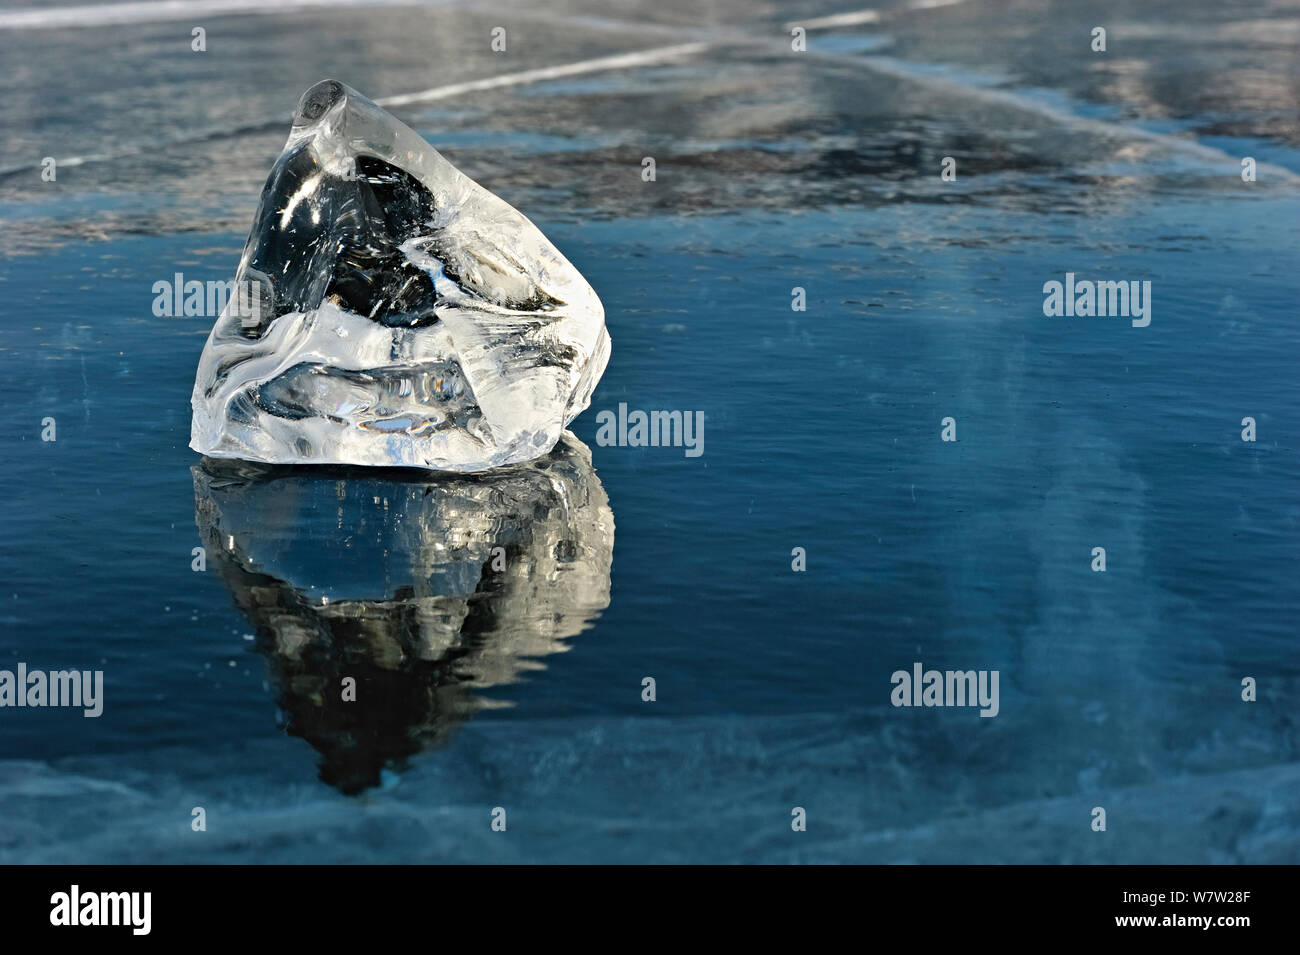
(317, 101)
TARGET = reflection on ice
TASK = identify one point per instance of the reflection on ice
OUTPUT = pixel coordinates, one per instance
(420, 589)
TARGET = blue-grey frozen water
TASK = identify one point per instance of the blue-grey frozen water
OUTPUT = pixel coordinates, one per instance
(924, 300)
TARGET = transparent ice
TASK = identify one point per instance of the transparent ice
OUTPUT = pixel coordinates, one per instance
(392, 312)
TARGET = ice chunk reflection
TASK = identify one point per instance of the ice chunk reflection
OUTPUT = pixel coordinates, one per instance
(423, 589)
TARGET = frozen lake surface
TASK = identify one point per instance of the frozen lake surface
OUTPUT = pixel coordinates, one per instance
(775, 169)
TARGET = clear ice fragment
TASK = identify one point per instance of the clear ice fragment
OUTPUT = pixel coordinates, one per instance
(392, 312)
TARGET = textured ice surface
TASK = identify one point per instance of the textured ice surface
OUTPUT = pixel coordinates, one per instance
(392, 312)
(626, 790)
(437, 590)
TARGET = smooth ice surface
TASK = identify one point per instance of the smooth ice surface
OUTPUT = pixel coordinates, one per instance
(924, 300)
(389, 311)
